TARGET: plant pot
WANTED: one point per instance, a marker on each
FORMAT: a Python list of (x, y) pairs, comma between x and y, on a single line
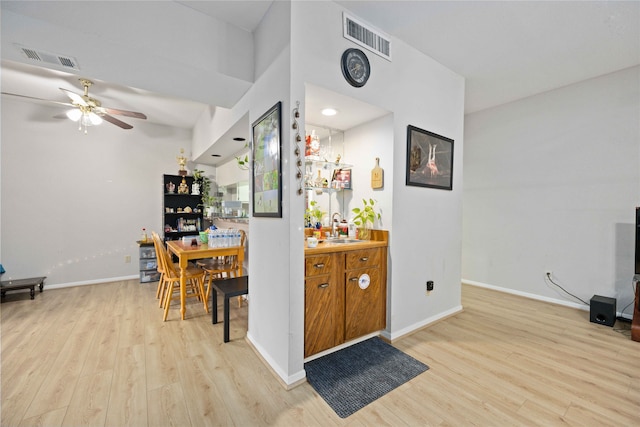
[(364, 233)]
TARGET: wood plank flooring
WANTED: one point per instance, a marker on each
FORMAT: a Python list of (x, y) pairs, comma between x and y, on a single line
[(100, 355)]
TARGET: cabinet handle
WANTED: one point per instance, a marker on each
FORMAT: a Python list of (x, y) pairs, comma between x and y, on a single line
[(353, 279), (364, 258), (324, 285), (319, 265)]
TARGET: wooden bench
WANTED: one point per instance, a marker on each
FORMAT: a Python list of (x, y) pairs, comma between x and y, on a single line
[(30, 283), (229, 288)]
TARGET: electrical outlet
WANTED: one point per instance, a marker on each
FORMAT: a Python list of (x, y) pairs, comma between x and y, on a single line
[(429, 285), (127, 259)]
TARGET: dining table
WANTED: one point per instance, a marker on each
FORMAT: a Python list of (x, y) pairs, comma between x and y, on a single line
[(195, 249)]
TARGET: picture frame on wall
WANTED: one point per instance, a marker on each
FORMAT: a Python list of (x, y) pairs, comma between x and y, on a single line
[(267, 164), (429, 159)]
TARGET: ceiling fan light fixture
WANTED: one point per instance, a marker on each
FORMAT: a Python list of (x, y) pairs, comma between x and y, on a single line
[(94, 119), (74, 114)]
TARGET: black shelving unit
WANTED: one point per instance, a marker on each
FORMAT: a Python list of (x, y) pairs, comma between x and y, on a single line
[(177, 222)]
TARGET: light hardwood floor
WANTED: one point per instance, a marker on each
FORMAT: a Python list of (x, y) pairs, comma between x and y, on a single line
[(101, 356)]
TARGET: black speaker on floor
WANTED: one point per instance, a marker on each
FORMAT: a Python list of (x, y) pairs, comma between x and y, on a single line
[(603, 310)]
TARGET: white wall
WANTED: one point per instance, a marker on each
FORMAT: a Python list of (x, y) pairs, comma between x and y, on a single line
[(271, 330), (551, 182), (363, 144), (424, 224), (73, 205), (229, 172)]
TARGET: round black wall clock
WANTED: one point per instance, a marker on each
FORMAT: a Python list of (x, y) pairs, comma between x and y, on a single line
[(355, 67)]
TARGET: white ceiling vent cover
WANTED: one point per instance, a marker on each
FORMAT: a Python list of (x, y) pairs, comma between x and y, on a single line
[(65, 61), (366, 36)]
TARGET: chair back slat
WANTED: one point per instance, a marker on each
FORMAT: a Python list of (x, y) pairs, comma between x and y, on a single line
[(159, 246)]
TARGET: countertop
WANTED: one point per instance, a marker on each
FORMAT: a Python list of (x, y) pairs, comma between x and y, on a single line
[(326, 246)]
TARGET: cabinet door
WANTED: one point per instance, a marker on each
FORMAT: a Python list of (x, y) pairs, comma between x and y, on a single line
[(365, 308), (323, 313)]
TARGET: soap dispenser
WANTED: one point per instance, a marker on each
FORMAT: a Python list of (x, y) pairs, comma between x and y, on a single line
[(352, 230)]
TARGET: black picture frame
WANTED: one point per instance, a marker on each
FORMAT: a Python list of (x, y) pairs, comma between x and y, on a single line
[(266, 169), (429, 159)]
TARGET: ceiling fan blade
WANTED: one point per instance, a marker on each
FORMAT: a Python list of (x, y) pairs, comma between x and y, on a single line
[(66, 104), (75, 98), (116, 122), (124, 113)]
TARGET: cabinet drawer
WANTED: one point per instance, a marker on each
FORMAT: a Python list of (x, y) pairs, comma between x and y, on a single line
[(149, 276), (318, 264), (363, 258), (149, 252), (148, 264)]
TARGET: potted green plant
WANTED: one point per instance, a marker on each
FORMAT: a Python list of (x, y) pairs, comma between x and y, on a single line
[(314, 214), (243, 162), (205, 188), (365, 217)]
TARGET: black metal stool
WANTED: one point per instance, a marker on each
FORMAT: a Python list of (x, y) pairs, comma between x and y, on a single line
[(229, 288)]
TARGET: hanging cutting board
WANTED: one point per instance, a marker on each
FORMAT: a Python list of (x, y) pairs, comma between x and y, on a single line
[(377, 175)]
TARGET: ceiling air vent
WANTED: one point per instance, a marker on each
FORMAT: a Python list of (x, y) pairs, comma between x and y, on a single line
[(50, 58), (366, 36)]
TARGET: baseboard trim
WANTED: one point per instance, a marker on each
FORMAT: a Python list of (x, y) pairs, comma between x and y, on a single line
[(287, 382), (393, 336), (536, 297), (85, 282), (526, 295)]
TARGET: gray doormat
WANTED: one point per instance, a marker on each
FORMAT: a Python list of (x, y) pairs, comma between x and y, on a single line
[(353, 377)]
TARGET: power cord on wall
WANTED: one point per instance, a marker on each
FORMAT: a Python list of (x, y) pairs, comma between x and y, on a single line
[(625, 323), (624, 331), (633, 288), (548, 277)]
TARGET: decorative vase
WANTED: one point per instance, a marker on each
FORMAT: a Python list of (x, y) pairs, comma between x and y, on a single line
[(364, 233)]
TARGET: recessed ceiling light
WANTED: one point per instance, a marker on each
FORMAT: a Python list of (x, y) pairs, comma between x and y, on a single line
[(216, 155), (237, 138), (329, 112)]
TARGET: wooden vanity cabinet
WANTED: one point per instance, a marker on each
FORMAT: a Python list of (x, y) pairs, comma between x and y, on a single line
[(324, 303), (337, 309)]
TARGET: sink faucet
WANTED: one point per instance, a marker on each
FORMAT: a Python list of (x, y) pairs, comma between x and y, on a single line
[(334, 224)]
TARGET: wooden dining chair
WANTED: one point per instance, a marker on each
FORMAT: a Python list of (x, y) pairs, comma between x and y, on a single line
[(159, 247), (162, 284), (171, 279), (221, 267)]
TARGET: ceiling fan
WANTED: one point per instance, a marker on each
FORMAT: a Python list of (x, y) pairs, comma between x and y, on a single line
[(88, 111)]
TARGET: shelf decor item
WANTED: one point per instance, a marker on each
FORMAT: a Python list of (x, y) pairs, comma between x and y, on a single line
[(267, 164), (429, 159), (182, 162), (342, 178)]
